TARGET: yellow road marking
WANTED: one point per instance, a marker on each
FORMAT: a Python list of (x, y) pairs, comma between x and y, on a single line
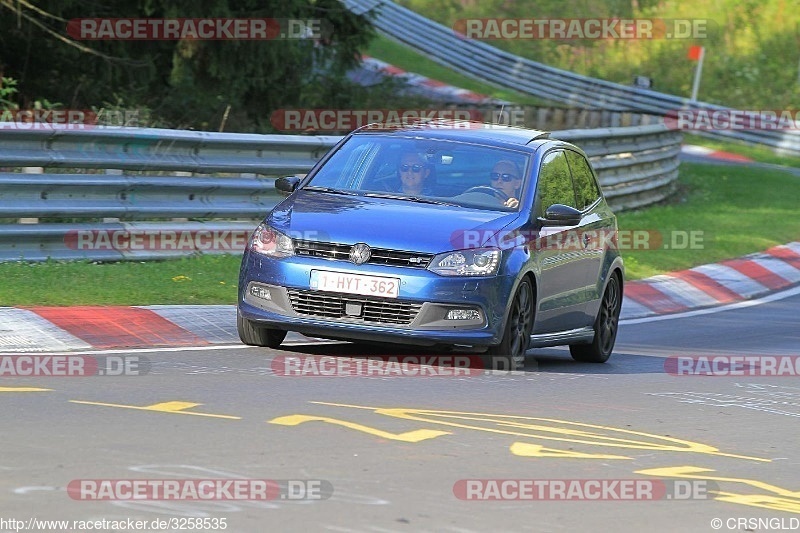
[(417, 435), (523, 449), (551, 429), (175, 407), (782, 500), (562, 430), (23, 389)]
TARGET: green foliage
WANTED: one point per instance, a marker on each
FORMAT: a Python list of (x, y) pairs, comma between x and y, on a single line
[(188, 83), (8, 88), (752, 46)]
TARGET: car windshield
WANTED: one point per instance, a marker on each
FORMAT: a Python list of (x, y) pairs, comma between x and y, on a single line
[(426, 170)]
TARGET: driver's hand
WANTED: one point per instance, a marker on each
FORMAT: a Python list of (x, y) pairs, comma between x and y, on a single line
[(511, 202)]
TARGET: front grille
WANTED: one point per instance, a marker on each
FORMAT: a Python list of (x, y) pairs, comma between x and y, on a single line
[(332, 305), (380, 256)]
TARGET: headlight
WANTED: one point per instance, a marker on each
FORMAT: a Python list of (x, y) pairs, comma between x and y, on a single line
[(268, 241), (477, 262)]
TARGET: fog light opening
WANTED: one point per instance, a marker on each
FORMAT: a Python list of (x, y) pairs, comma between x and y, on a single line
[(260, 292), (463, 314)]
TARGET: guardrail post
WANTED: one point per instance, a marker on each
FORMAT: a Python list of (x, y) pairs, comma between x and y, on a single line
[(188, 175), (31, 170), (112, 172)]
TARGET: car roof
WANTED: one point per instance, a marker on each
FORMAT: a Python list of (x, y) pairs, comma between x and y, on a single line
[(460, 130)]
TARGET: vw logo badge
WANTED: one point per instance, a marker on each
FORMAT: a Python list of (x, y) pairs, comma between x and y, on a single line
[(360, 253)]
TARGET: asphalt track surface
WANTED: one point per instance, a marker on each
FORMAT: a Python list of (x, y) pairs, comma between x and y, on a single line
[(394, 448)]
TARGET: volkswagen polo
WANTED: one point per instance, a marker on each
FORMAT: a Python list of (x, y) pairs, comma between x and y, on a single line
[(470, 235)]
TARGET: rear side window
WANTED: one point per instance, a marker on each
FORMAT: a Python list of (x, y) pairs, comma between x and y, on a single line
[(555, 183), (586, 190)]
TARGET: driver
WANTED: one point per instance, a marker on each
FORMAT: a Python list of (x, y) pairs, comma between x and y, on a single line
[(413, 172), (507, 178)]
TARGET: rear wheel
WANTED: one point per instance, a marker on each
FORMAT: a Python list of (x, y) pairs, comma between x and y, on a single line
[(510, 353), (252, 334), (605, 327)]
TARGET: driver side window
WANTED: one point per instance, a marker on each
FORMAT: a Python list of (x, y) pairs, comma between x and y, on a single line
[(555, 183)]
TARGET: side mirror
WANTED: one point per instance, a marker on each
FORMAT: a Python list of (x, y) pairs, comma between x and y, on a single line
[(287, 184), (561, 215)]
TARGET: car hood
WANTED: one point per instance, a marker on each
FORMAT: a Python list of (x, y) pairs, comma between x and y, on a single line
[(386, 223)]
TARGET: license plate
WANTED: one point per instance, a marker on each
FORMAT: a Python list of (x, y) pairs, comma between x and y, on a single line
[(323, 280)]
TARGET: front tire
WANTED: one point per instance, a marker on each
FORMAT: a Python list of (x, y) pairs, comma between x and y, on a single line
[(606, 326), (252, 334), (510, 353)]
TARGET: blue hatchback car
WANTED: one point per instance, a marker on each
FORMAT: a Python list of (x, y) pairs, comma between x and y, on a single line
[(467, 235)]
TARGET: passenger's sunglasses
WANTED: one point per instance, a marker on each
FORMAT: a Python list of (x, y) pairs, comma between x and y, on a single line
[(506, 177), (412, 168)]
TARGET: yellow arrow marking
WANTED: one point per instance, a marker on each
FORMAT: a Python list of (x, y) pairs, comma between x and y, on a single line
[(23, 389), (784, 499), (178, 408), (550, 429), (417, 435), (524, 449)]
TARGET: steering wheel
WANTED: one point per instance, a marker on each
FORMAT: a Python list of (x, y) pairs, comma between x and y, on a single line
[(485, 189)]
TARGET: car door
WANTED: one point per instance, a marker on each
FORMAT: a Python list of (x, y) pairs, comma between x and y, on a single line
[(559, 256), (596, 228)]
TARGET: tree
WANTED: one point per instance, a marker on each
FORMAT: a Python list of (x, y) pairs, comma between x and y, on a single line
[(186, 83)]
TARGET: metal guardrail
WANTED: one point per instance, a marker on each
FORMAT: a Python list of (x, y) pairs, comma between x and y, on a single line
[(636, 166), (95, 241), (492, 65), (160, 149), (133, 197)]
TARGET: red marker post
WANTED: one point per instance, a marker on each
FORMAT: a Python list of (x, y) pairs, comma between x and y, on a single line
[(696, 53)]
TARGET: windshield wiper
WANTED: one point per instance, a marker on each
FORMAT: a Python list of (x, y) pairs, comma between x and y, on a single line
[(331, 190), (409, 198)]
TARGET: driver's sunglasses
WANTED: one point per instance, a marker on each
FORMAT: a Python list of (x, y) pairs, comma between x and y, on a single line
[(412, 168), (506, 177)]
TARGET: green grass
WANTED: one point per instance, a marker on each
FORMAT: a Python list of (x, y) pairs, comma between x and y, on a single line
[(209, 279), (762, 154), (739, 210), (401, 56)]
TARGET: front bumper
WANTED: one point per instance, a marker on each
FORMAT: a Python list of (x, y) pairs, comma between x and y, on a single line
[(422, 304)]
